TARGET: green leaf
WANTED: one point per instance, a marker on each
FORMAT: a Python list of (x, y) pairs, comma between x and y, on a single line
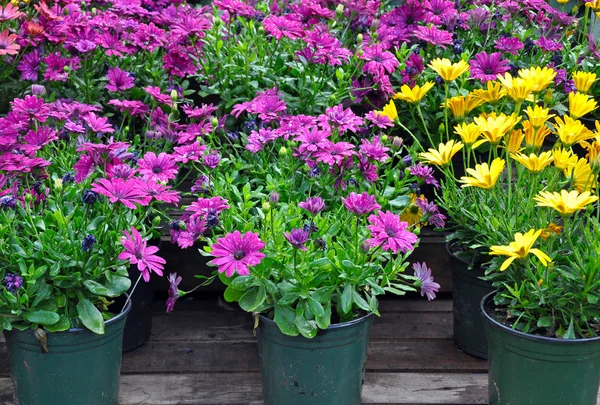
[(307, 328), (41, 317), (346, 299), (60, 326), (117, 285), (360, 301), (592, 299), (90, 316), (232, 295), (253, 298), (570, 333), (400, 202), (243, 282), (544, 322), (4, 324), (284, 318), (315, 307), (97, 288), (324, 320)]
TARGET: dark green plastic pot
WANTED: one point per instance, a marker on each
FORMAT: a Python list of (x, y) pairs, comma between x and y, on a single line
[(80, 368), (326, 370), (528, 369), (467, 291)]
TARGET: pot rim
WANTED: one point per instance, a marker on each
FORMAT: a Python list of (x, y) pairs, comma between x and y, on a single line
[(356, 321), (121, 315), (529, 336)]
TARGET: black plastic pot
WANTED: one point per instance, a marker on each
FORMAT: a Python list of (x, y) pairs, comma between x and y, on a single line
[(326, 370), (467, 292), (529, 369), (139, 321)]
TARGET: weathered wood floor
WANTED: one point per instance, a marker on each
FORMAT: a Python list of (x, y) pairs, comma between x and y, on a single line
[(203, 354)]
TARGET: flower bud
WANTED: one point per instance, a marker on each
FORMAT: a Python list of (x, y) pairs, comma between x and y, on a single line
[(359, 38), (174, 95), (384, 138), (397, 143), (214, 121), (407, 160), (365, 246), (274, 197), (442, 128), (283, 151), (548, 97), (156, 221), (58, 184), (417, 231), (38, 90), (339, 10), (217, 21), (266, 207)]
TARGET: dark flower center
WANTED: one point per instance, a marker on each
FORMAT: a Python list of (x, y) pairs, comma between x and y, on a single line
[(157, 170), (489, 71), (239, 254), (391, 233)]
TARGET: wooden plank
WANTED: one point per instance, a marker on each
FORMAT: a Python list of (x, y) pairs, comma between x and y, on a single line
[(245, 388), (237, 326), (401, 355)]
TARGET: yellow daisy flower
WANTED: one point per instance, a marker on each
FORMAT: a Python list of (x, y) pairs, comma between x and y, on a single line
[(565, 202), (534, 163), (443, 155), (461, 106), (594, 5), (563, 158), (493, 127), (412, 214), (514, 140), (571, 131), (540, 77), (469, 133), (580, 104), (484, 176), (538, 115), (516, 88), (593, 150), (389, 110), (583, 80), (520, 249), (414, 95), (447, 70), (492, 94), (534, 137), (581, 175)]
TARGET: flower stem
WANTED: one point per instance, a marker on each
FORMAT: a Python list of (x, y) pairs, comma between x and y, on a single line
[(131, 293)]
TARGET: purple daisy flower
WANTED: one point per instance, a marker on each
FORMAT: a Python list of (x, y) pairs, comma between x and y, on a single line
[(548, 45), (340, 118), (425, 282), (379, 120), (280, 27), (188, 153), (425, 173), (333, 153), (29, 66), (379, 61), (204, 207), (159, 192), (211, 160), (314, 205), (431, 213), (97, 124), (128, 192), (390, 233), (118, 80), (173, 291), (374, 150), (510, 45), (194, 229), (297, 238), (434, 36), (360, 204), (160, 168), (32, 107), (487, 67), (138, 253), (235, 253)]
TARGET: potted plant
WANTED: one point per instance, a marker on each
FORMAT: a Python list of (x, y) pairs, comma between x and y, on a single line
[(73, 220), (308, 224), (543, 322)]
